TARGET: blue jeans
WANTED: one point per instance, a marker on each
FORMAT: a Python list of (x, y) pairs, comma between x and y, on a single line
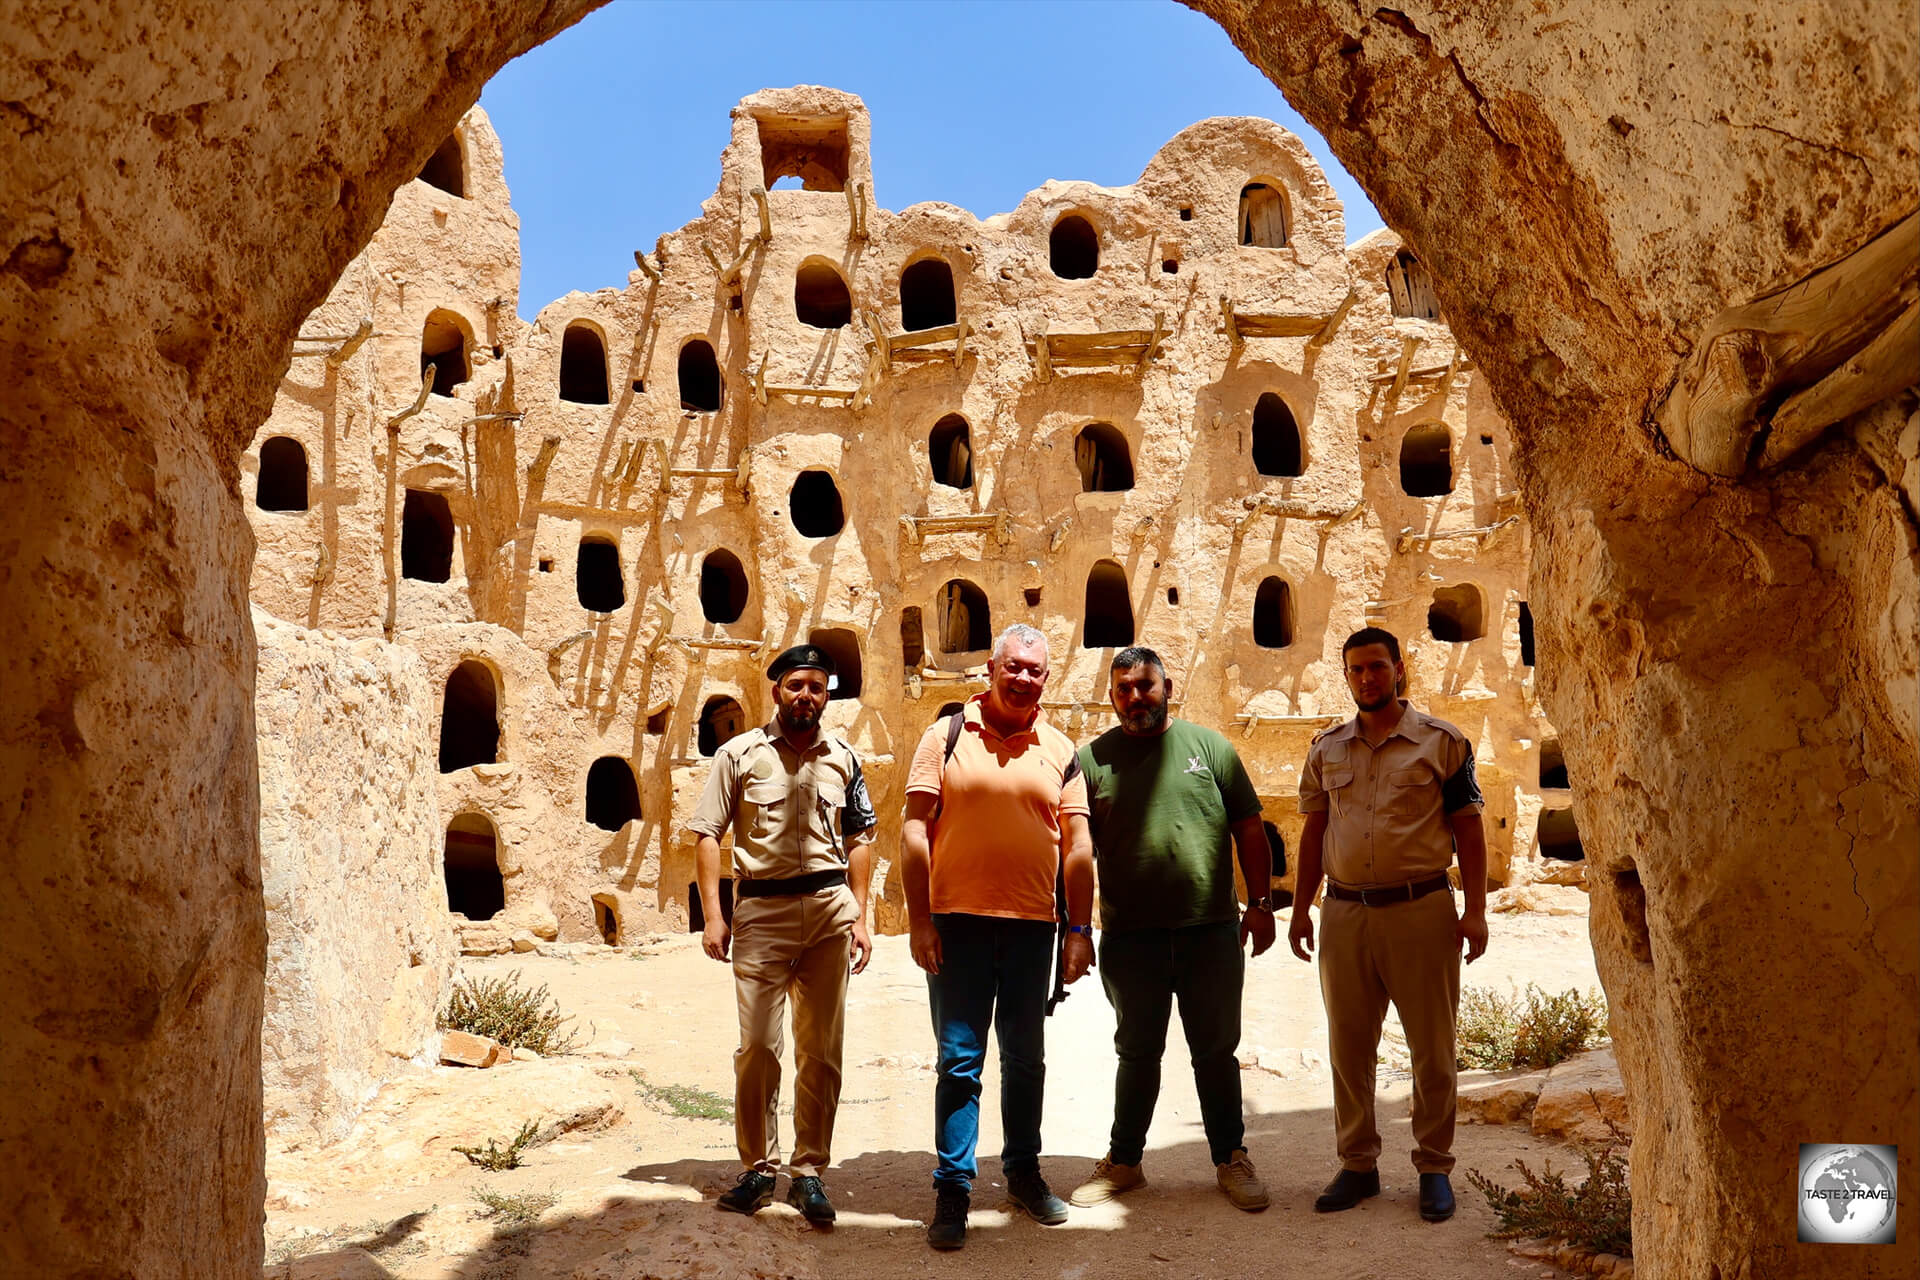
[(987, 961)]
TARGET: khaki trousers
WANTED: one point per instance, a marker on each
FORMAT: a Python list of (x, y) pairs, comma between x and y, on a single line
[(800, 946), (1408, 953)]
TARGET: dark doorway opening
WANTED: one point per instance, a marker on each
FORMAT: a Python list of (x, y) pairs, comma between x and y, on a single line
[(723, 586), (1273, 614), (965, 624), (443, 344), (606, 920), (426, 537), (950, 452), (283, 476), (844, 648), (1426, 461), (1456, 614), (1105, 462), (720, 719), (913, 638), (597, 577), (926, 295), (1276, 438), (1526, 635), (1109, 610), (820, 296), (613, 794), (1559, 837), (470, 718), (475, 888), (815, 505), (696, 910), (1553, 766), (1073, 249), (583, 365), (1263, 216), (699, 377), (446, 168)]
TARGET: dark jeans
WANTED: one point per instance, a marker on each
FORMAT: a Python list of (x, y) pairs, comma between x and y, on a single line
[(1143, 971), (987, 961)]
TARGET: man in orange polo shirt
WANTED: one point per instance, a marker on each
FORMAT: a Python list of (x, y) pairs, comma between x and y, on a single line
[(988, 826)]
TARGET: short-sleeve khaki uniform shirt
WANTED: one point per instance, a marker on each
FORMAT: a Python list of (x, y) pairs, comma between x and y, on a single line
[(792, 811), (1387, 806)]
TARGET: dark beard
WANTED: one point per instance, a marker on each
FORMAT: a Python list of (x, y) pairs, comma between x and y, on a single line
[(1381, 705), (1149, 721), (796, 721)]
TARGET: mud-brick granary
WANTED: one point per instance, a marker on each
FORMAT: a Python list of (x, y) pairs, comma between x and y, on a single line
[(1184, 413)]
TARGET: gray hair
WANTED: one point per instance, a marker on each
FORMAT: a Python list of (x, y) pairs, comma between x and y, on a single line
[(1018, 631)]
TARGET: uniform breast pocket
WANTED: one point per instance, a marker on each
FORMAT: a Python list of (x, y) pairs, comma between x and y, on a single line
[(1339, 785), (1410, 792), (766, 804)]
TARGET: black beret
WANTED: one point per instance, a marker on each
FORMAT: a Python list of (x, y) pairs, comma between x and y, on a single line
[(801, 655)]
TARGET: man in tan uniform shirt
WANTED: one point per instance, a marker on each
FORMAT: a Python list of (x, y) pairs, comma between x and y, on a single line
[(802, 852), (1390, 798)]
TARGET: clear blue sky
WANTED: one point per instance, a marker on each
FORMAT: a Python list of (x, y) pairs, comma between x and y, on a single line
[(613, 130)]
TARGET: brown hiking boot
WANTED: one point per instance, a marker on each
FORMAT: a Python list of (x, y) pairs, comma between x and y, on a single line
[(1241, 1183), (1108, 1180)]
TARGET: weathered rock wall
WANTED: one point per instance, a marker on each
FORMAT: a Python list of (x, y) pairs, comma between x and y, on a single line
[(179, 187), (1729, 651), (360, 949)]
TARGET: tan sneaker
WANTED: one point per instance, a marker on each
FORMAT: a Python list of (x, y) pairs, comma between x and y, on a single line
[(1109, 1180), (1241, 1183)]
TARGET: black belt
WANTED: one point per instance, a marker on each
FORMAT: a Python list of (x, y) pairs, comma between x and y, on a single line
[(1388, 896), (752, 888)]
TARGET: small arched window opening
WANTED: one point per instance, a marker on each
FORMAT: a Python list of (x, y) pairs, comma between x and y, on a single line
[(583, 365), (475, 888), (1560, 837), (699, 377), (926, 295), (283, 476), (1277, 846), (606, 918), (1526, 635), (426, 537), (723, 586), (1109, 609), (844, 648), (1073, 248), (1273, 614), (820, 296), (613, 794), (446, 168), (470, 718), (1410, 288), (950, 451), (965, 623), (1426, 461), (720, 719), (815, 505), (1553, 766), (597, 576), (1456, 614), (1276, 437), (1263, 216), (913, 638), (443, 344), (1105, 462)]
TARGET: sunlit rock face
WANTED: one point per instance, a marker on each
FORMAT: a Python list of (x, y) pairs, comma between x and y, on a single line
[(1722, 498)]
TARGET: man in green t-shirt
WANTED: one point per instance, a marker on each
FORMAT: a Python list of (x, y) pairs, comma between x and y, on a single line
[(1165, 797)]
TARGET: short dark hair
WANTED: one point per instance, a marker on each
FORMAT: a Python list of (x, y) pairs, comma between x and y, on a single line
[(1134, 655), (1372, 635)]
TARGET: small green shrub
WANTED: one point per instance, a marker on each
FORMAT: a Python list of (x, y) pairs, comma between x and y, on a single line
[(493, 1157), (1596, 1215), (684, 1099), (515, 1211), (502, 1009), (1532, 1029)]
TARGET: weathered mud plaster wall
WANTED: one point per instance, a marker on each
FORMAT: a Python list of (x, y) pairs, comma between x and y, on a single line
[(534, 471), (177, 191), (360, 950), (1727, 647)]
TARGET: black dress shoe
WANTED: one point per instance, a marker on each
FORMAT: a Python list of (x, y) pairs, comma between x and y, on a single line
[(1436, 1197), (751, 1194), (1348, 1188), (948, 1230), (809, 1196)]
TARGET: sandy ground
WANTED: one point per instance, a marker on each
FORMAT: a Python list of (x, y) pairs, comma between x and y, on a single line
[(635, 1184)]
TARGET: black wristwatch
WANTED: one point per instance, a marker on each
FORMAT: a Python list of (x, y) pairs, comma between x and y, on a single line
[(1262, 904)]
